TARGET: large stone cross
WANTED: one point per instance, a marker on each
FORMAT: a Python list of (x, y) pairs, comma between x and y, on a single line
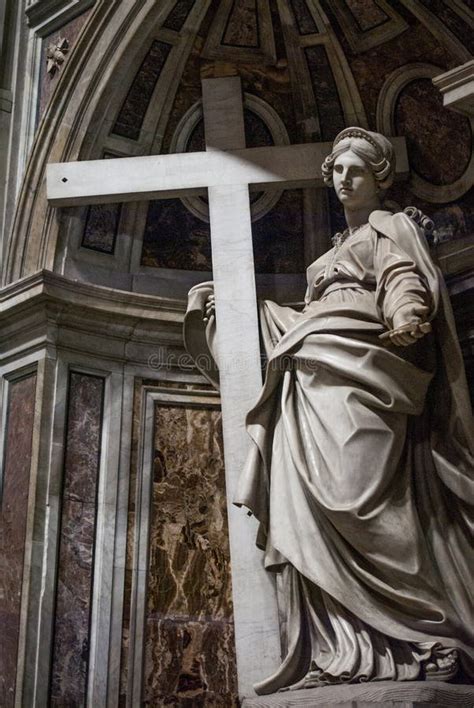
[(226, 172)]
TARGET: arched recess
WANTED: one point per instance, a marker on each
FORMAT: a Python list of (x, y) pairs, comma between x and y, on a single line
[(107, 51)]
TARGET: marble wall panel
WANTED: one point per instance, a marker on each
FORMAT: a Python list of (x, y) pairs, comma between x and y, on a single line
[(129, 558), (278, 241), (195, 665), (242, 28), (189, 655), (13, 518), (102, 223), (175, 238), (366, 13), (189, 650), (178, 15), (304, 19), (101, 227), (76, 547), (438, 139), (132, 114), (47, 82)]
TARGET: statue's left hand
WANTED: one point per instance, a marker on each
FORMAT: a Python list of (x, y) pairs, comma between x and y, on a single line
[(406, 334)]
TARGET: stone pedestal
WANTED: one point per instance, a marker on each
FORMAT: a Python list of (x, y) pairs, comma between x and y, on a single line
[(383, 694)]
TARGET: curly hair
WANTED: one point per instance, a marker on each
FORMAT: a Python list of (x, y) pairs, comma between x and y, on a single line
[(375, 149)]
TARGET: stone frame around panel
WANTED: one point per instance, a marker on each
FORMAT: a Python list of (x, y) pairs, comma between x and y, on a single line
[(361, 41), (265, 52), (150, 395), (392, 87)]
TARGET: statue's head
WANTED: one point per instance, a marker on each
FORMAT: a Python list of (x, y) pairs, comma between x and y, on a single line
[(373, 149)]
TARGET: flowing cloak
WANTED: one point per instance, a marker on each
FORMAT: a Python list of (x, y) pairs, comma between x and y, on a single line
[(361, 468)]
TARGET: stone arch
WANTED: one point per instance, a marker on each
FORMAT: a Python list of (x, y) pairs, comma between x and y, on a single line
[(113, 30)]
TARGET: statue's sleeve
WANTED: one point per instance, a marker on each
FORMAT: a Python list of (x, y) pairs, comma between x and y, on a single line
[(403, 294), (200, 336)]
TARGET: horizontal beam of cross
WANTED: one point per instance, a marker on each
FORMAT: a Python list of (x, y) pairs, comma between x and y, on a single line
[(183, 174)]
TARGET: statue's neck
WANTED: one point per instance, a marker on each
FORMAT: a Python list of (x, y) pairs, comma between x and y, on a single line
[(359, 217)]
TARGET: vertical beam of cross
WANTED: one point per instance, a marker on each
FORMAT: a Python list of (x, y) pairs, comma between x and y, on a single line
[(254, 596)]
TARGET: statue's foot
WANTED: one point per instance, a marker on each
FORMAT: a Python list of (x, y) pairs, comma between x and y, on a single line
[(442, 668), (311, 680)]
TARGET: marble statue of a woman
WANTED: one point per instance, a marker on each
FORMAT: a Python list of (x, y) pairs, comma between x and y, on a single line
[(361, 471)]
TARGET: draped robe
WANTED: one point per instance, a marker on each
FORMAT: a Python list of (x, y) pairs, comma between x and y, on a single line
[(361, 468)]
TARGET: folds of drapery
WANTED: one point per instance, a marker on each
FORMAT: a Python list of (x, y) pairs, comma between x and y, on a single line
[(361, 474)]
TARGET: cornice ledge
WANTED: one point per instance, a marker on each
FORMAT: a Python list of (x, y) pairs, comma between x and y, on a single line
[(455, 77), (48, 15), (46, 285), (457, 88)]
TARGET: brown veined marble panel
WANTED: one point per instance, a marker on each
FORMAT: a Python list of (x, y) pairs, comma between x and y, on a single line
[(366, 13), (178, 15), (102, 223), (132, 114), (175, 238), (13, 519), (303, 17), (278, 237), (76, 548), (47, 84), (195, 664), (129, 559), (242, 25), (438, 139), (189, 636)]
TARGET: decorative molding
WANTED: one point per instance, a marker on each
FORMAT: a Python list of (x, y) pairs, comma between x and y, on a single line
[(457, 88), (132, 113), (45, 285), (438, 29), (6, 100), (391, 89), (273, 122), (46, 16), (461, 9), (264, 49), (56, 55)]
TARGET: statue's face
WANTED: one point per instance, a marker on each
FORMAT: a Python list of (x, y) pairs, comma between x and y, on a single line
[(354, 181)]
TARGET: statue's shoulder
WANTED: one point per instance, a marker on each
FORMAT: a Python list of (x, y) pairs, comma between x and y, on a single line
[(410, 222)]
